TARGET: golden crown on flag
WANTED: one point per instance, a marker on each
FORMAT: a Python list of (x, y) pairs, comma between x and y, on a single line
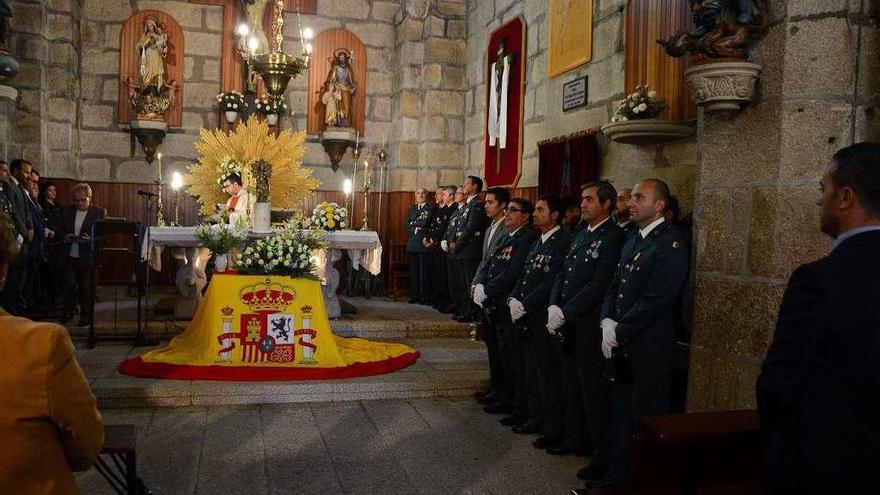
[(306, 310), (227, 311), (267, 296)]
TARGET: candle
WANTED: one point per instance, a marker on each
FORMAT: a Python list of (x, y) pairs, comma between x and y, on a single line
[(159, 161), (357, 138), (384, 139)]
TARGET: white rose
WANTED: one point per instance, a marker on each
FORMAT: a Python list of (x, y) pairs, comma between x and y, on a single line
[(235, 105), (652, 94), (636, 110), (623, 119), (643, 107)]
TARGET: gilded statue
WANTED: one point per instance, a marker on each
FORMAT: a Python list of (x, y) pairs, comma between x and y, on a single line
[(339, 88), (152, 93), (722, 29)]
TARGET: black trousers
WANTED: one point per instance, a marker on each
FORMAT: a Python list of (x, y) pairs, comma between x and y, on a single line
[(417, 274), (79, 282), (589, 391), (461, 274), (439, 285), (510, 347), (14, 296), (489, 334), (543, 376)]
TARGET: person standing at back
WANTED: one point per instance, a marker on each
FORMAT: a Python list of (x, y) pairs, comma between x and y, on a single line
[(819, 388), (465, 249), (416, 225)]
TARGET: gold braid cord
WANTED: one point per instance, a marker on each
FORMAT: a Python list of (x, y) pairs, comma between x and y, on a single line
[(250, 142)]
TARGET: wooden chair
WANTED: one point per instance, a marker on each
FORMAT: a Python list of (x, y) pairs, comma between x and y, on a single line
[(121, 470), (398, 269)]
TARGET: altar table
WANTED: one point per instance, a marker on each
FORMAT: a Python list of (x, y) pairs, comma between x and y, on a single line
[(362, 247), (259, 327)]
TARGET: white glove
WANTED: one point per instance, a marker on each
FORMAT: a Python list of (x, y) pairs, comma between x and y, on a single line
[(444, 245), (555, 319), (517, 310), (479, 295), (609, 336)]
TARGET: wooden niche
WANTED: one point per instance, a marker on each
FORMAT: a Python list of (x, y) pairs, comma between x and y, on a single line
[(129, 63), (323, 49), (648, 63)]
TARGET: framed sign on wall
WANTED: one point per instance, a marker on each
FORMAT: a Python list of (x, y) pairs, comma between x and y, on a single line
[(574, 94), (571, 35)]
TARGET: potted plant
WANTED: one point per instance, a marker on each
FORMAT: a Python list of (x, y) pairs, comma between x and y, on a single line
[(271, 108), (220, 239), (329, 216), (288, 251), (232, 104), (637, 120)]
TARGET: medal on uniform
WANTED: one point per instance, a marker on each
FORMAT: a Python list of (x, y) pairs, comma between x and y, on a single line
[(595, 254), (636, 258)]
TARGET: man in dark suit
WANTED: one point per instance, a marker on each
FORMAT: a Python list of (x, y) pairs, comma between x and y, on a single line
[(416, 223), (446, 242), (819, 389), (492, 286), (446, 206), (497, 199), (622, 213), (14, 293), (638, 320), (465, 249), (528, 310), (575, 307), (79, 271)]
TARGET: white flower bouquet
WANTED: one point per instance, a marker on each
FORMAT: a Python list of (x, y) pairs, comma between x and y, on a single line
[(231, 101), (288, 252), (329, 216), (268, 106), (642, 104), (220, 238)]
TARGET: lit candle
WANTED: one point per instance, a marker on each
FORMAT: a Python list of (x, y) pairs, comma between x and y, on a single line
[(159, 161), (357, 138)]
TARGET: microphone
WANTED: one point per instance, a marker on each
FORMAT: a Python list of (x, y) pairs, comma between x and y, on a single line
[(146, 193)]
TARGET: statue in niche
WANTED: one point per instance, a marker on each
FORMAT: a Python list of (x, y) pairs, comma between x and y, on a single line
[(152, 94), (254, 10), (339, 89), (722, 29)]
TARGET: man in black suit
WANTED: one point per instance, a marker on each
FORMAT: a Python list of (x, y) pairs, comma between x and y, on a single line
[(575, 307), (819, 389), (465, 249), (497, 199), (492, 286), (638, 320), (79, 271), (446, 206), (416, 224), (14, 293), (528, 310), (622, 214)]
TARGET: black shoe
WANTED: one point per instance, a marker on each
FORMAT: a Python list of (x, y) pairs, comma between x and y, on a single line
[(605, 481), (413, 300), (497, 408), (527, 428), (487, 397), (447, 310), (579, 491), (510, 420), (544, 442), (559, 450), (592, 472), (462, 318)]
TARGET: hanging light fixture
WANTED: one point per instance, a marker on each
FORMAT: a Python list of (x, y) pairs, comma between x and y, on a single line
[(275, 66)]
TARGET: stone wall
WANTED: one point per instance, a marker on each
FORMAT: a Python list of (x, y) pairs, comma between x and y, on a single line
[(429, 94), (756, 217), (622, 164)]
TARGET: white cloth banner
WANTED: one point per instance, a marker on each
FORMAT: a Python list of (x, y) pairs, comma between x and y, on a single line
[(498, 113)]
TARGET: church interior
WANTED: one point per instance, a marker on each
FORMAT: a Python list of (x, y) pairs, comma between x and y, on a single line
[(261, 168)]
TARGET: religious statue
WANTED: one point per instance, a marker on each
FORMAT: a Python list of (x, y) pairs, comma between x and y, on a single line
[(340, 80), (152, 93), (722, 29), (498, 90)]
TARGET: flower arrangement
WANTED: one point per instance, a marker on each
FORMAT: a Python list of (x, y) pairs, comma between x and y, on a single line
[(288, 251), (220, 238), (228, 166), (642, 104), (329, 216), (268, 106), (231, 101)]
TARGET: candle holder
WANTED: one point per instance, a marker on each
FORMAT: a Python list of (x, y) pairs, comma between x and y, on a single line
[(367, 184), (160, 219), (383, 157), (176, 184)]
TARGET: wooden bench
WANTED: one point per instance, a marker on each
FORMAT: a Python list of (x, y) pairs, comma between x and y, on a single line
[(707, 453), (117, 461)]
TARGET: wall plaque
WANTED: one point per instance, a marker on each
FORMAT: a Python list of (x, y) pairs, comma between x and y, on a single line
[(574, 94)]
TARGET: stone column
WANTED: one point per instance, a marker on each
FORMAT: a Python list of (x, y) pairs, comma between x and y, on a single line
[(759, 170)]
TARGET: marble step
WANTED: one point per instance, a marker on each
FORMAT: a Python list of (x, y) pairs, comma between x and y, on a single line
[(447, 368)]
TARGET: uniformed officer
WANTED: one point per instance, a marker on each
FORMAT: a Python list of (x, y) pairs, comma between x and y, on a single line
[(575, 307), (621, 212), (465, 249), (445, 198), (451, 263), (493, 285), (528, 308), (496, 201), (573, 221), (637, 320), (417, 220)]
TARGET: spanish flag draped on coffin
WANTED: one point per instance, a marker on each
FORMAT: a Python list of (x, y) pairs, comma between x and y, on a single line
[(258, 327)]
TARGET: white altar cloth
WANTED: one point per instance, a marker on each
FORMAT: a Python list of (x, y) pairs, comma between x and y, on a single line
[(363, 247)]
